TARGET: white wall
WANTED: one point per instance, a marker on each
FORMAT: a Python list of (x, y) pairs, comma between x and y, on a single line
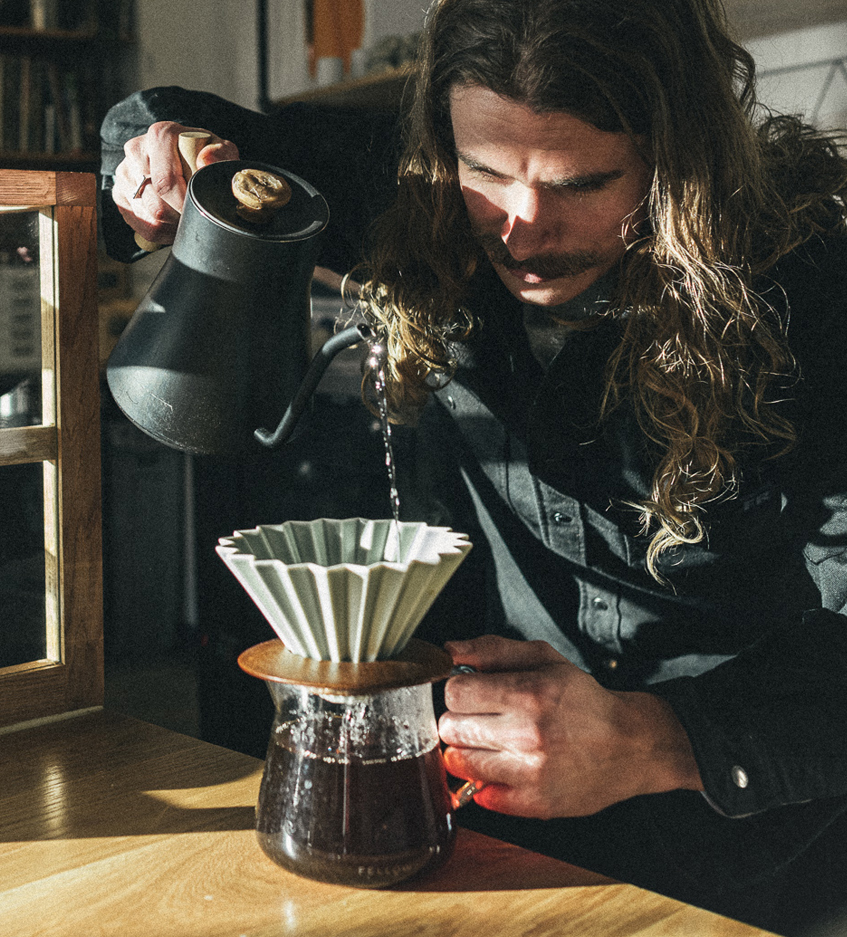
[(211, 44), (392, 18), (207, 45), (805, 72)]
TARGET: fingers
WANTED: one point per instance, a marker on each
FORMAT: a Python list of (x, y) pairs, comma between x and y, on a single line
[(531, 725), (492, 693), (552, 741), (530, 692), (515, 801), (167, 183), (481, 731), (494, 653), (154, 212), (511, 784), (504, 711), (522, 777), (493, 767)]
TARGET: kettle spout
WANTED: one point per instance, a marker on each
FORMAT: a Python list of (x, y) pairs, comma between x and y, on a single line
[(319, 364)]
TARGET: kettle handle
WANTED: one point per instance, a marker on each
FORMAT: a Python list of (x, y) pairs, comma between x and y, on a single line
[(189, 144), (330, 348)]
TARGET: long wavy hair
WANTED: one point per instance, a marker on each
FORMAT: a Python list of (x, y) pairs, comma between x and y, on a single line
[(701, 356)]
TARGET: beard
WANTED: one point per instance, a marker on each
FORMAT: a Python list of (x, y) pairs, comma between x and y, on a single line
[(546, 266)]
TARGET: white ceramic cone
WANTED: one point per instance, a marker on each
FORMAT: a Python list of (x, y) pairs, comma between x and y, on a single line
[(336, 589)]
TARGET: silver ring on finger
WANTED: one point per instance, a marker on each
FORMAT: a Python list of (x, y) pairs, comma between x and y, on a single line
[(141, 186)]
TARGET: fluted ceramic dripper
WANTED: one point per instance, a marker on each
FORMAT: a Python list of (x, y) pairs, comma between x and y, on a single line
[(344, 590)]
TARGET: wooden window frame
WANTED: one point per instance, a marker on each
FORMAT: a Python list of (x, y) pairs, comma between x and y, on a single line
[(71, 676)]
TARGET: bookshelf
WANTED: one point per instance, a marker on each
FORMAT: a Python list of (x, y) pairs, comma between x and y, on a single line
[(61, 67)]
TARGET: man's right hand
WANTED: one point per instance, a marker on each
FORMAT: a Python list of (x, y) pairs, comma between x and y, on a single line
[(154, 214)]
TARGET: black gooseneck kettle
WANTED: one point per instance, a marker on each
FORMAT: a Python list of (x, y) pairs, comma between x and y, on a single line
[(220, 344)]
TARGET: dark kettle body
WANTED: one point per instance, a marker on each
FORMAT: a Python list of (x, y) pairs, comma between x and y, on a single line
[(220, 344)]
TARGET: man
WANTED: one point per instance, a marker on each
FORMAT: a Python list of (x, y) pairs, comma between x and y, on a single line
[(616, 308)]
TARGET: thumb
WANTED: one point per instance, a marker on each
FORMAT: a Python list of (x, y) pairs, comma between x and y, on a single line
[(216, 152)]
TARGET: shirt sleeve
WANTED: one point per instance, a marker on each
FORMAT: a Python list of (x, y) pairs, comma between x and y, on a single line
[(767, 726), (349, 156)]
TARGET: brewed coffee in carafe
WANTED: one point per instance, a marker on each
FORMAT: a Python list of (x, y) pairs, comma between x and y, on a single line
[(354, 790)]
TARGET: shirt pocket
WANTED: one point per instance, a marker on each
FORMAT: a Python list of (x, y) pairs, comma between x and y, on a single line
[(738, 532)]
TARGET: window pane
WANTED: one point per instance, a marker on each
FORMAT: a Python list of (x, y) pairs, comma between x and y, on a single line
[(20, 319), (23, 632)]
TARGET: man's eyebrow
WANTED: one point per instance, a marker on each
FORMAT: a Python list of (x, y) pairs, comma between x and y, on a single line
[(588, 180)]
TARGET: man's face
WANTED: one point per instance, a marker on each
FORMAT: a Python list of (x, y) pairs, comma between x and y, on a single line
[(552, 199)]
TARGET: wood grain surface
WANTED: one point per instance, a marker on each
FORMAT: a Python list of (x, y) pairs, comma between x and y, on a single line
[(110, 826)]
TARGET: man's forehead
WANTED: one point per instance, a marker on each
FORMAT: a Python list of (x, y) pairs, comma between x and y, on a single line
[(490, 131)]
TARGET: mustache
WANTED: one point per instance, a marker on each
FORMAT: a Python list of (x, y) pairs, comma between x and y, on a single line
[(547, 266)]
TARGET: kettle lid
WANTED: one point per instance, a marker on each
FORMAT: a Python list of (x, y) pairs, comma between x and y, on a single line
[(210, 190)]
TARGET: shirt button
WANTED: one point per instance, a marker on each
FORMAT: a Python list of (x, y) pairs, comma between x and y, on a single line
[(599, 604), (611, 663), (560, 518), (739, 777)]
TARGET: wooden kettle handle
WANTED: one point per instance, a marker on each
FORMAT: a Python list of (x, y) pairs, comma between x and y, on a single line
[(189, 145)]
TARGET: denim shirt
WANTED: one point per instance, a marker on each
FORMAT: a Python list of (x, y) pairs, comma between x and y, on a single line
[(743, 640)]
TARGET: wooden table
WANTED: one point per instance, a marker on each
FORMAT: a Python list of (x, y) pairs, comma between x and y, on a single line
[(110, 826)]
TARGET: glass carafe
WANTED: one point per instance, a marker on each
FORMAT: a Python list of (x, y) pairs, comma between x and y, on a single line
[(354, 790)]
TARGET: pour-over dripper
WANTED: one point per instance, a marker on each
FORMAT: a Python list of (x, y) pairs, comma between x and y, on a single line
[(354, 789), (344, 590)]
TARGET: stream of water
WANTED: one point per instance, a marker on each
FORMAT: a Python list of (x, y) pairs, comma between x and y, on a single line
[(376, 362)]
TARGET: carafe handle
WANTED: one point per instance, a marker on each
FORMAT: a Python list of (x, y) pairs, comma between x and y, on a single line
[(465, 794)]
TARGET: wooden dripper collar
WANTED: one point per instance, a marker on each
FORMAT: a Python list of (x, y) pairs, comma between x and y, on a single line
[(418, 663)]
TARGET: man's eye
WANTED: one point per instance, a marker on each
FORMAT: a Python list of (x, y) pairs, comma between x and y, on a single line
[(590, 183), (483, 172), (584, 186)]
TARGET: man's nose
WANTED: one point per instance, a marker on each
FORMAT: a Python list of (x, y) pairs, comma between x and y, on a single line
[(527, 228)]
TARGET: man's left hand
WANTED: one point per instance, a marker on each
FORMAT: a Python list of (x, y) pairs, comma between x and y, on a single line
[(549, 740)]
